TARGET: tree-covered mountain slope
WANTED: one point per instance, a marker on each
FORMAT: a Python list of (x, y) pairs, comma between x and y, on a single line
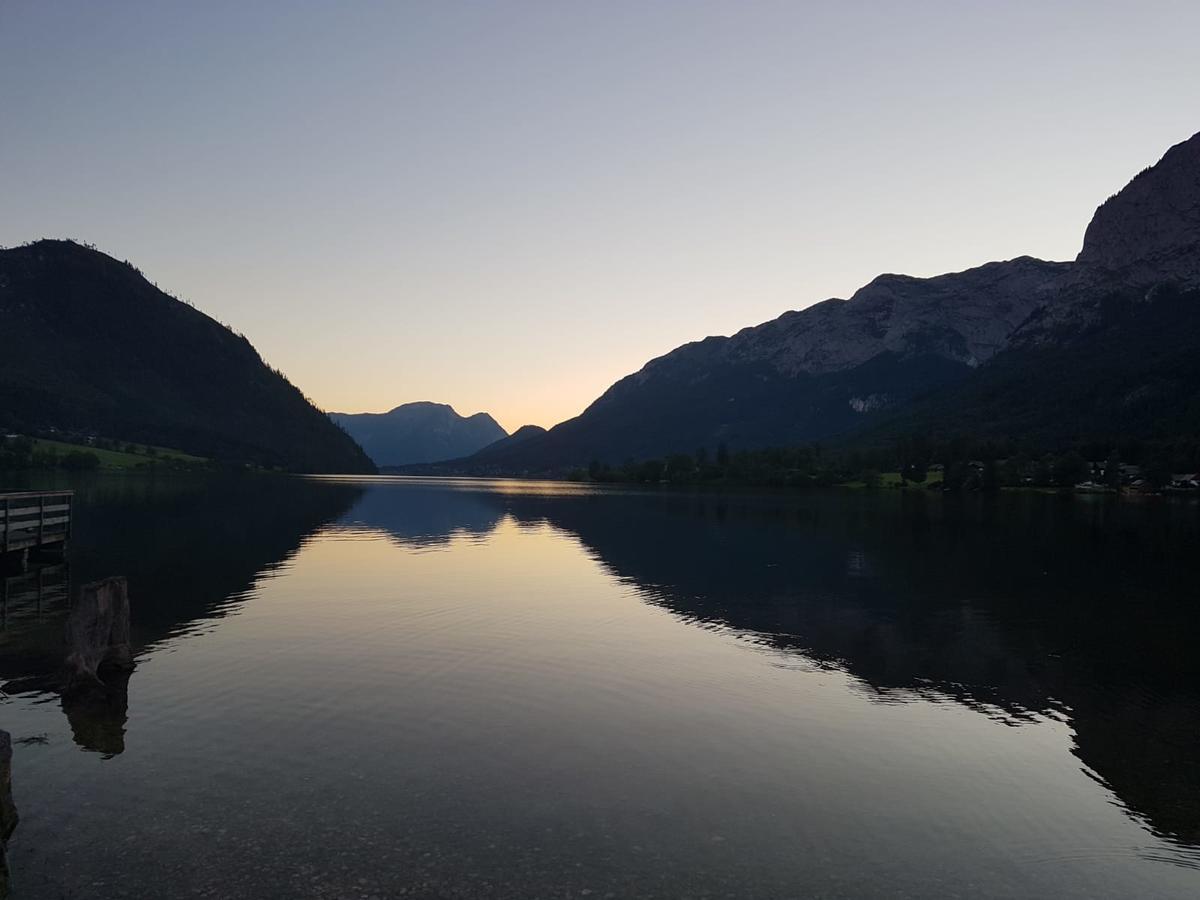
[(88, 345)]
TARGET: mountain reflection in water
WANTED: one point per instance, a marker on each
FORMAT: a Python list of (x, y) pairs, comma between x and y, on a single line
[(192, 548), (1019, 606), (459, 688)]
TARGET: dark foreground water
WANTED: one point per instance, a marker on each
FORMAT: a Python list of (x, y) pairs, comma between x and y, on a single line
[(397, 688)]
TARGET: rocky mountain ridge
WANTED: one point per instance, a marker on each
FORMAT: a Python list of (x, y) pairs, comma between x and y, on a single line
[(964, 316), (840, 366)]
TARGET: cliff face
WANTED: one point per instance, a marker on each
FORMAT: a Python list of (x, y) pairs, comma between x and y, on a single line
[(1149, 232), (1141, 242)]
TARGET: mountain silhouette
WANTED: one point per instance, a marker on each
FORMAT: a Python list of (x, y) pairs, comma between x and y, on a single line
[(88, 345), (419, 433), (1104, 347)]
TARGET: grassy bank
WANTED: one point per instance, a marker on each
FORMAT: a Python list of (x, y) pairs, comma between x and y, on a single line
[(43, 453)]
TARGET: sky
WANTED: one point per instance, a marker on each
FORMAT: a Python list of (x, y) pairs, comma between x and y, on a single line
[(507, 206)]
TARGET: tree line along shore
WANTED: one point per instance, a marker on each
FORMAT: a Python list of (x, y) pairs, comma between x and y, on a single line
[(915, 462)]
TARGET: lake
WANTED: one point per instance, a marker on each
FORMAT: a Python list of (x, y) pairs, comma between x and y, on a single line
[(392, 687)]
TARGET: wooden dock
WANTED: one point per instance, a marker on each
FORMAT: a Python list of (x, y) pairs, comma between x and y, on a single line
[(32, 520)]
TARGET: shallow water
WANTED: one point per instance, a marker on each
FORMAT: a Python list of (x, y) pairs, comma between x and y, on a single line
[(390, 687)]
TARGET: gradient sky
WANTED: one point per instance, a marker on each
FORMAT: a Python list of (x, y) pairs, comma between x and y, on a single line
[(508, 206)]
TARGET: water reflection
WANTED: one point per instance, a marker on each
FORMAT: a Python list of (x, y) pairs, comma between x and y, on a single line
[(97, 717), (428, 518), (191, 548), (1024, 608), (517, 689)]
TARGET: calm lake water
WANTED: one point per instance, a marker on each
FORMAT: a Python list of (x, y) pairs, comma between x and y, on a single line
[(409, 688)]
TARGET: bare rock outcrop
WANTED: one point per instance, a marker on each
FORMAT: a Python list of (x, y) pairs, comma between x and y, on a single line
[(963, 316), (1149, 231), (1140, 241), (1146, 234)]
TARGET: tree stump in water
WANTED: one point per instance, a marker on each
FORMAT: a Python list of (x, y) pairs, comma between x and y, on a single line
[(8, 810), (98, 633)]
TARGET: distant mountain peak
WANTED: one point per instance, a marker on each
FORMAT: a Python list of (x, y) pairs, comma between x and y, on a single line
[(419, 432), (415, 405)]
